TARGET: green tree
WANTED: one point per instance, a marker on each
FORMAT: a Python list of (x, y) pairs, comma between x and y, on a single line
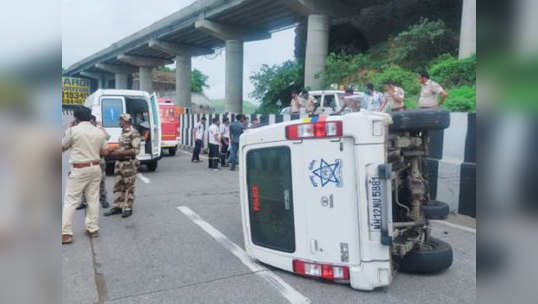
[(276, 82), (199, 81)]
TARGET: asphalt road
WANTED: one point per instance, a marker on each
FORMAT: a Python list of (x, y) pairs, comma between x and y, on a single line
[(159, 255)]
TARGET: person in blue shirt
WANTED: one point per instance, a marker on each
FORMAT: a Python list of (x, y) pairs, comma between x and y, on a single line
[(236, 129)]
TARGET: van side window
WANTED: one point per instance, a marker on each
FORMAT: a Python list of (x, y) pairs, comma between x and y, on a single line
[(111, 109), (330, 102)]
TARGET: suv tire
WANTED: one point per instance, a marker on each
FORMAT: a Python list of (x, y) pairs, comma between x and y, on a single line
[(435, 210), (423, 119), (435, 258)]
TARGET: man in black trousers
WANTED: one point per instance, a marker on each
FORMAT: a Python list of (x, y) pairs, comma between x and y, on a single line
[(199, 130)]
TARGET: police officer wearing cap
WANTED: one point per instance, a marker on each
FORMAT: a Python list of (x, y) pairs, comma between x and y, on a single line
[(125, 168)]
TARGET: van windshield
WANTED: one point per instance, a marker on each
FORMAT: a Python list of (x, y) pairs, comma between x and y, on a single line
[(270, 198), (111, 109)]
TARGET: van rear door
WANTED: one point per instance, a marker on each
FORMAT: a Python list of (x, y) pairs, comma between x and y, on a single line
[(270, 197), (327, 184), (111, 109), (155, 127)]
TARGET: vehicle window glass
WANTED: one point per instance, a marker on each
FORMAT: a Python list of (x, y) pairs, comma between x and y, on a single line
[(111, 109), (330, 102), (270, 198)]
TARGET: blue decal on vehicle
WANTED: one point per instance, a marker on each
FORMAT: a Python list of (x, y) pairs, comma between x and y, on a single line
[(326, 173)]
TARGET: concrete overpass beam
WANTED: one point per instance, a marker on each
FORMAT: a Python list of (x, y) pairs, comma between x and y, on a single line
[(140, 61), (178, 49), (234, 59), (468, 29), (183, 58), (310, 7), (226, 32), (146, 79), (145, 68), (121, 73), (183, 80), (100, 77), (234, 76), (317, 49), (121, 81)]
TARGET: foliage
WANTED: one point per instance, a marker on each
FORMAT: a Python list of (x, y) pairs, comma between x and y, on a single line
[(461, 99), (401, 77), (199, 81), (421, 43), (219, 104), (343, 69), (452, 72), (276, 82)]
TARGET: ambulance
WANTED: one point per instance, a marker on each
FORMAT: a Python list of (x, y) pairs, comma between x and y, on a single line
[(342, 198), (107, 105)]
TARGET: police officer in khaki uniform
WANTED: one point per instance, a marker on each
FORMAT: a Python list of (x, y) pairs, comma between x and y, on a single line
[(87, 144), (102, 186), (125, 168)]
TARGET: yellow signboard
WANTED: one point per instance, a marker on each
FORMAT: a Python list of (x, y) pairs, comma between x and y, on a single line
[(75, 90)]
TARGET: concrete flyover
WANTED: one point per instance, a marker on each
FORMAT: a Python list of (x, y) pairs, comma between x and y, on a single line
[(205, 25)]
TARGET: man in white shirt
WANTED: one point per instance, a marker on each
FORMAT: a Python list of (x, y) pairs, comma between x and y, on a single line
[(213, 133), (199, 129), (372, 99), (224, 141), (429, 92)]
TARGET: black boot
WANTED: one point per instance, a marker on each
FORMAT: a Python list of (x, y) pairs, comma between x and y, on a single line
[(81, 206), (105, 204), (126, 213), (113, 211)]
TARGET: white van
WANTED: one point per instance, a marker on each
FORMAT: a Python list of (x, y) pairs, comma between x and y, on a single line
[(317, 197), (107, 106)]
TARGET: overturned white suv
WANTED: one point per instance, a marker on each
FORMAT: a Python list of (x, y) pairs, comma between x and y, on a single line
[(343, 198)]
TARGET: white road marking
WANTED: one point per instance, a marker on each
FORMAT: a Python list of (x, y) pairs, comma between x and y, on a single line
[(454, 226), (144, 179), (288, 292)]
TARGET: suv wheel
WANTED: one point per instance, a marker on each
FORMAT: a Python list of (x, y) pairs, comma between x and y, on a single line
[(435, 210), (414, 120), (435, 256)]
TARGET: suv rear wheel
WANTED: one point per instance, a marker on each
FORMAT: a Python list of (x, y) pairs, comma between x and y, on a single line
[(432, 257), (422, 119)]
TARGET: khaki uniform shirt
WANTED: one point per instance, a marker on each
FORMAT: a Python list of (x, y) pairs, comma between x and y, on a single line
[(428, 94), (85, 142), (393, 104), (295, 105)]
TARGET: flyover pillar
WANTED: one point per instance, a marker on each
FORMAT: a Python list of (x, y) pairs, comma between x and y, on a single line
[(120, 81), (468, 29), (145, 78), (317, 49), (183, 80), (234, 76)]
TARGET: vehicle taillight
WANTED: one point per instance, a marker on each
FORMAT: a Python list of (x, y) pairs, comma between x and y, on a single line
[(323, 271), (320, 129)]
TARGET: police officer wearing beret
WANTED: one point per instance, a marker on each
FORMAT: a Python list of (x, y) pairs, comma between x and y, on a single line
[(125, 168)]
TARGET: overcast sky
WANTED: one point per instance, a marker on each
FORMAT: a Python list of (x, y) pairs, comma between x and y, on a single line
[(90, 26)]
